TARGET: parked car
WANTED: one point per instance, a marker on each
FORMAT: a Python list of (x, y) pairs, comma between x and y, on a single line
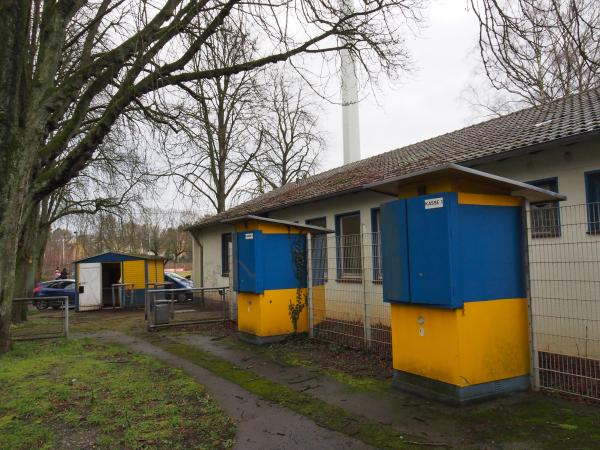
[(55, 288), (179, 282)]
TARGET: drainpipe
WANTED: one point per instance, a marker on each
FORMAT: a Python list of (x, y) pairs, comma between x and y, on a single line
[(201, 251)]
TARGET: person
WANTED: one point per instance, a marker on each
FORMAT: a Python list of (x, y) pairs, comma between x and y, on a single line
[(57, 273), (64, 274)]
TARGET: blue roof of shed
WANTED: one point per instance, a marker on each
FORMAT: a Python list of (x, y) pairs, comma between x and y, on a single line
[(108, 257)]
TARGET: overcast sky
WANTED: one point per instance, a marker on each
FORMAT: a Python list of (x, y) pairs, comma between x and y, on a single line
[(428, 102)]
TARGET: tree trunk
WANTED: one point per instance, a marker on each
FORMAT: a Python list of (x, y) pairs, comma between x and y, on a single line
[(14, 18), (30, 253)]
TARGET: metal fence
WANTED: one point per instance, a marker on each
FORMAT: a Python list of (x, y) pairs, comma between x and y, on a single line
[(190, 306), (40, 318), (564, 289), (563, 265), (346, 306)]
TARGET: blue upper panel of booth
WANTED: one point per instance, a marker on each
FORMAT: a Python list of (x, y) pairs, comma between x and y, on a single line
[(440, 253), (268, 261)]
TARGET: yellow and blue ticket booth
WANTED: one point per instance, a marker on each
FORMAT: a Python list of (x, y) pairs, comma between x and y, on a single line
[(96, 275), (454, 275), (270, 277)]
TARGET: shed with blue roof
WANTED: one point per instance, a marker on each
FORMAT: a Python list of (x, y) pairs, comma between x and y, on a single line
[(96, 275)]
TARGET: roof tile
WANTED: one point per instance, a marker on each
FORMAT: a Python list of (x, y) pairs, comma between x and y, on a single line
[(572, 115)]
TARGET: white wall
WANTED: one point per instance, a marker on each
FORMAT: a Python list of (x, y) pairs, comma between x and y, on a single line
[(206, 247), (566, 163), (564, 271)]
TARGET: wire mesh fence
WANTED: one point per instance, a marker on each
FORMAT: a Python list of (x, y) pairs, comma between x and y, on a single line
[(346, 293), (40, 318), (189, 306), (564, 284)]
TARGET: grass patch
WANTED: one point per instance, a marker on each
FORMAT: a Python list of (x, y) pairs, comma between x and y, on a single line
[(80, 393), (548, 422)]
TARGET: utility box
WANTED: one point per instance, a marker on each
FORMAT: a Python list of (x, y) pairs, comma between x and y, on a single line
[(270, 277), (453, 272), (452, 252)]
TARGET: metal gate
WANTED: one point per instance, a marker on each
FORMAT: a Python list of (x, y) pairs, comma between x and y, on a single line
[(189, 306), (42, 318)]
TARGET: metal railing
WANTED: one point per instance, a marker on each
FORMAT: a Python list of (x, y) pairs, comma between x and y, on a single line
[(564, 289), (187, 306), (123, 295), (42, 318)]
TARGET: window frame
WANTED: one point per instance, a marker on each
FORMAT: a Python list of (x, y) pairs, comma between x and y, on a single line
[(225, 254), (593, 227), (325, 268), (376, 246), (341, 276), (554, 229)]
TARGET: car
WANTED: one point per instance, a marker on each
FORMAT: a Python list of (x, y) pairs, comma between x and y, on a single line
[(55, 288), (178, 282)]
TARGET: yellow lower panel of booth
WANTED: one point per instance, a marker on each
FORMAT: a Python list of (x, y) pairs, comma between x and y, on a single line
[(268, 314), (318, 301), (485, 341)]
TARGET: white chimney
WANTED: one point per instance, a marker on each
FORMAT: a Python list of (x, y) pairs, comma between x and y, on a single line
[(350, 127)]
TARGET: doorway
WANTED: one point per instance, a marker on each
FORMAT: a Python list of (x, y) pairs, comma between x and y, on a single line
[(111, 274)]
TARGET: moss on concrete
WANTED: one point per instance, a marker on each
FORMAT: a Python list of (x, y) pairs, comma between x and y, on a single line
[(322, 413)]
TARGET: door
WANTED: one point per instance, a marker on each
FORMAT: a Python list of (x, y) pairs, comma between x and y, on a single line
[(248, 261), (90, 286), (429, 246)]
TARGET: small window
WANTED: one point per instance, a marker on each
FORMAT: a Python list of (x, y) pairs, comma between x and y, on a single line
[(592, 193), (318, 249), (348, 246), (225, 241), (545, 217), (376, 243)]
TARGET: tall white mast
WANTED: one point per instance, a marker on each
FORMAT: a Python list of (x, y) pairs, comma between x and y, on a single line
[(350, 126)]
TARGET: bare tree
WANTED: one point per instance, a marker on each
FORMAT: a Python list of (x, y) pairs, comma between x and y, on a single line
[(115, 179), (217, 118), (70, 69), (292, 141), (535, 51)]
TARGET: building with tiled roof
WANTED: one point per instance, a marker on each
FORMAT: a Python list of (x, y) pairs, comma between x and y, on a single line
[(556, 145), (564, 121)]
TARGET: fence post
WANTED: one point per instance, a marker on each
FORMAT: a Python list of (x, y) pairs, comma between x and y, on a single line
[(534, 375), (66, 303), (309, 282), (367, 328)]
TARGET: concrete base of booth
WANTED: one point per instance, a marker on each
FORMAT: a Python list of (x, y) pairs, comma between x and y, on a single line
[(457, 395), (261, 340)]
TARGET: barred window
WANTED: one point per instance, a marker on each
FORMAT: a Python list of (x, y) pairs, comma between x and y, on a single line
[(592, 193), (318, 251), (348, 248), (545, 217), (376, 243), (225, 242)]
